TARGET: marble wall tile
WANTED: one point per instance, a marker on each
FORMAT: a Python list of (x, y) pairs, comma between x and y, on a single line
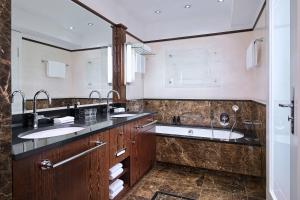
[(135, 105), (197, 112), (234, 158), (60, 102), (5, 107)]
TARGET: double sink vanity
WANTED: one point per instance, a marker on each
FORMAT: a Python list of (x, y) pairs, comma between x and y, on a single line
[(72, 161)]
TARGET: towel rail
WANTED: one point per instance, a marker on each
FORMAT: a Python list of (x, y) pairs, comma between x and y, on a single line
[(47, 164), (45, 61), (258, 40)]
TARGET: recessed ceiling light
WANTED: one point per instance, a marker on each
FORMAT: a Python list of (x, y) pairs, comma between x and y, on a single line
[(90, 24), (158, 11), (187, 6), (220, 0), (71, 27)]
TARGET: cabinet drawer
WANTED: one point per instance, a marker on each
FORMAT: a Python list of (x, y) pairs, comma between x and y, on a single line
[(119, 144)]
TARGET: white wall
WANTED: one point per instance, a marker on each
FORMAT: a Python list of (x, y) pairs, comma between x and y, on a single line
[(33, 77), (78, 76), (94, 78), (261, 73), (235, 81), (135, 90)]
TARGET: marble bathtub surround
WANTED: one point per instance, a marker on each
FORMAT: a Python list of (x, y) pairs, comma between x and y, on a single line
[(5, 110), (199, 113), (234, 158), (197, 184)]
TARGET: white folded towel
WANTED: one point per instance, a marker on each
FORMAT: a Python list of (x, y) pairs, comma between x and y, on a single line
[(115, 168), (115, 186), (251, 56), (63, 120), (56, 69), (113, 195), (115, 174)]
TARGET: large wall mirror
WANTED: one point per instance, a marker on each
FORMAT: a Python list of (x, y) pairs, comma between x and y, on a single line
[(66, 52)]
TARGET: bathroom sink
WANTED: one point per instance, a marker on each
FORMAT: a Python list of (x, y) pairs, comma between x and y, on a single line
[(123, 115), (50, 132)]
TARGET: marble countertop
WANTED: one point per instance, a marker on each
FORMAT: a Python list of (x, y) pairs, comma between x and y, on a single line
[(22, 148)]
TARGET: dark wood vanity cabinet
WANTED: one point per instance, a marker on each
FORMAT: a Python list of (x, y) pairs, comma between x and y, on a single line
[(84, 177), (79, 169), (143, 147), (119, 145)]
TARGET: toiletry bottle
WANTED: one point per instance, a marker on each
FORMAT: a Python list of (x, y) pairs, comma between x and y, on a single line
[(76, 111), (178, 120), (174, 121)]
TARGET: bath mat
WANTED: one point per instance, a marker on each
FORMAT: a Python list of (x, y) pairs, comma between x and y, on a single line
[(167, 196)]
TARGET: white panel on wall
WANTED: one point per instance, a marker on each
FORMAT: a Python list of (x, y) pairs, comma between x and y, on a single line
[(191, 68)]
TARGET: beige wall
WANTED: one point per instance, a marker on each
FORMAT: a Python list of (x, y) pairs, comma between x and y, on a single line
[(235, 81), (32, 72)]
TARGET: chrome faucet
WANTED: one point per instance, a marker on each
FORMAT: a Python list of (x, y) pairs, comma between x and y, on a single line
[(111, 91), (212, 118), (235, 108), (35, 114), (23, 98), (97, 92)]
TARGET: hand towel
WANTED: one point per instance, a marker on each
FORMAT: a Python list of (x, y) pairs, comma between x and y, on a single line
[(63, 120), (115, 186), (56, 69), (117, 173), (113, 195), (251, 57), (115, 168)]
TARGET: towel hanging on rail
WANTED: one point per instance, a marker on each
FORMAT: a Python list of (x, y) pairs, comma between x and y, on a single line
[(56, 69), (251, 57)]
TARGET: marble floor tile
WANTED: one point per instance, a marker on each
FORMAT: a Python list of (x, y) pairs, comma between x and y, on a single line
[(197, 184)]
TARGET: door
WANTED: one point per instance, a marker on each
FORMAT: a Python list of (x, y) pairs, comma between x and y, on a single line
[(280, 101)]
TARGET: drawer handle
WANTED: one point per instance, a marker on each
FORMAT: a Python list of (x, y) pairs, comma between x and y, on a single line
[(146, 125), (120, 152), (47, 164)]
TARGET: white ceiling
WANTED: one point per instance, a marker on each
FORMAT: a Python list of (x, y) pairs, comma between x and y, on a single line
[(205, 16), (50, 21)]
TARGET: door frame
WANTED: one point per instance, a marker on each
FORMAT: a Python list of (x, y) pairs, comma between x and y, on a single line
[(295, 62), (295, 69)]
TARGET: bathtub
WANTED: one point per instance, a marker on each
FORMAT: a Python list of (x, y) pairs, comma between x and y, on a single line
[(197, 132), (220, 150)]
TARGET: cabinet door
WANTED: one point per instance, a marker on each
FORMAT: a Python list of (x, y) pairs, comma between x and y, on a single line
[(99, 165), (70, 180), (119, 145), (134, 159), (146, 147)]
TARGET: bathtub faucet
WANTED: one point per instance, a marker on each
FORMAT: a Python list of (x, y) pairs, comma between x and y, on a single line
[(212, 118), (235, 108)]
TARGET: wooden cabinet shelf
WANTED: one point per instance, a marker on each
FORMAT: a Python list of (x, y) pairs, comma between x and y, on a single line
[(122, 174)]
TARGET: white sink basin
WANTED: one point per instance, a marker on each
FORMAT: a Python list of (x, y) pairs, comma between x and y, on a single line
[(122, 115), (51, 133)]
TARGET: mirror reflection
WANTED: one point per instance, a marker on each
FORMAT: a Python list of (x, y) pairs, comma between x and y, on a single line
[(70, 50)]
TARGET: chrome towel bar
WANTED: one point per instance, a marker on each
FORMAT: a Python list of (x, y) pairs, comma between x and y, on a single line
[(146, 125), (47, 164)]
